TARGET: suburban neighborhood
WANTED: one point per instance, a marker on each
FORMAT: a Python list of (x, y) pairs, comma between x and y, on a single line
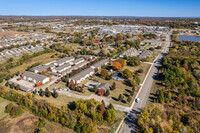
[(99, 73)]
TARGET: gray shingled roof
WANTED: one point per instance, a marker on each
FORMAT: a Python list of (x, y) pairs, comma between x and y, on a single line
[(62, 67), (100, 63), (41, 68), (104, 86), (77, 60), (34, 76), (64, 60), (144, 54), (130, 52), (78, 76)]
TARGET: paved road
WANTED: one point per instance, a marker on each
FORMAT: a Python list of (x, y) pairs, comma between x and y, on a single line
[(130, 121)]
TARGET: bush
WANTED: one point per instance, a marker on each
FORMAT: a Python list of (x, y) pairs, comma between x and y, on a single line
[(140, 71)]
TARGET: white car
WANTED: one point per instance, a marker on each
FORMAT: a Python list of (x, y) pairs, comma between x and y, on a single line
[(137, 100)]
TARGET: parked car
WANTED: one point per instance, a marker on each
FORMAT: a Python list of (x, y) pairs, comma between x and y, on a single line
[(19, 79), (137, 100)]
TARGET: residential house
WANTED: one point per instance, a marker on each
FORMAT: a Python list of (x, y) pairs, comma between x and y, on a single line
[(63, 61), (77, 61), (61, 68), (130, 52), (42, 68), (144, 54), (104, 86), (79, 77), (100, 63)]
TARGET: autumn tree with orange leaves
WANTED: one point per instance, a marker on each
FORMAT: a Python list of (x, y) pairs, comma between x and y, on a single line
[(117, 66)]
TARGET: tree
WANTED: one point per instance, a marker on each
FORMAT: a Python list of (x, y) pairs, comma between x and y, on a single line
[(7, 84), (133, 83), (127, 73), (104, 73), (140, 70), (12, 85), (55, 94), (41, 92), (17, 87), (120, 98), (137, 80), (109, 115), (107, 92), (132, 93), (148, 58), (95, 89), (133, 61), (101, 92), (117, 43), (129, 99), (114, 86), (43, 130), (162, 97), (48, 94), (122, 62), (117, 66)]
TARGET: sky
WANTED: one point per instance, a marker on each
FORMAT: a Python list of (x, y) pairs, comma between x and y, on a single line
[(145, 8)]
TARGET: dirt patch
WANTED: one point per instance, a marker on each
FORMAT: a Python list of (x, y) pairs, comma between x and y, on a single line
[(10, 33)]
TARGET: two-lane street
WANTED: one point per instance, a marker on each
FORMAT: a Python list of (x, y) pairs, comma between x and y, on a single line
[(130, 121)]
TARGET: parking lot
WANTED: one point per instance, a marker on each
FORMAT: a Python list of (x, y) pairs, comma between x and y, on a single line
[(24, 85)]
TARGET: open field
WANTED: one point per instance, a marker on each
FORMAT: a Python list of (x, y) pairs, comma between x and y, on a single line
[(59, 101), (10, 33), (42, 59)]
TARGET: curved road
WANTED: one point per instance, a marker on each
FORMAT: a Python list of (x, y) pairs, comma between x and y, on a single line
[(130, 121)]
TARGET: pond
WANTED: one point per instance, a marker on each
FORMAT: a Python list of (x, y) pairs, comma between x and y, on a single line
[(189, 38)]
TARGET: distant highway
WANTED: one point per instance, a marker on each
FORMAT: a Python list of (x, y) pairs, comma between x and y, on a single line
[(130, 121)]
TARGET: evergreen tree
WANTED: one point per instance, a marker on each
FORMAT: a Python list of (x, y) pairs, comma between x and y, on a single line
[(132, 93), (41, 92), (17, 87), (12, 85), (107, 92), (114, 86), (7, 84), (55, 94), (95, 89), (129, 99), (120, 98)]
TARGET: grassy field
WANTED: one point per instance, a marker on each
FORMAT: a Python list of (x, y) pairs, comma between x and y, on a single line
[(3, 103), (143, 66), (61, 84), (42, 59)]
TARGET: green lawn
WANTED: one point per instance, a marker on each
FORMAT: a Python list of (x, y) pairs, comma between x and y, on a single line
[(59, 101), (144, 66), (61, 84), (3, 103)]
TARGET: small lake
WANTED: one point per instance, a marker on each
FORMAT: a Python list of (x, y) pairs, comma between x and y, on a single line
[(189, 38)]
